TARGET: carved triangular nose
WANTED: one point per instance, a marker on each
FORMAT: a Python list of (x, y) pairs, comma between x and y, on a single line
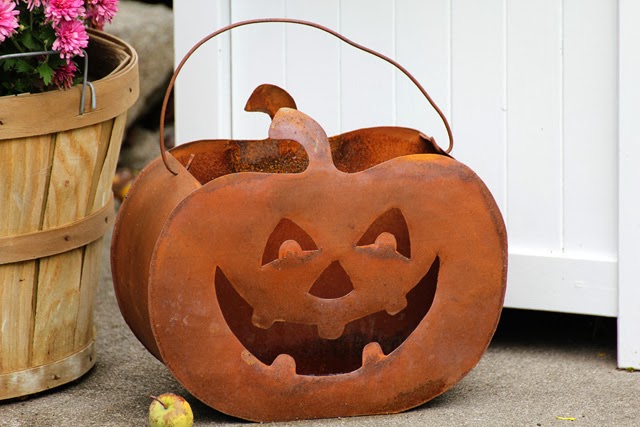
[(333, 283)]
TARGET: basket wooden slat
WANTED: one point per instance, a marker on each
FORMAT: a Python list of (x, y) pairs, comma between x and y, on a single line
[(93, 251), (59, 288), (24, 179)]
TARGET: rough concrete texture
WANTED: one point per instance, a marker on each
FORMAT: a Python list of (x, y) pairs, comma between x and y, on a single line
[(538, 367), (154, 44)]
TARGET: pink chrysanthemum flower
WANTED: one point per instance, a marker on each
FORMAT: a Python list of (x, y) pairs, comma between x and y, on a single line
[(58, 11), (33, 3), (71, 38), (101, 12), (63, 76), (8, 19)]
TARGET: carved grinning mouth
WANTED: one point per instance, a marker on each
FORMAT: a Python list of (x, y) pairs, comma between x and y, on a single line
[(317, 356)]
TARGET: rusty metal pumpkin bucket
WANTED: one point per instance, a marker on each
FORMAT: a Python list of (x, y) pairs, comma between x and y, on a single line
[(303, 276)]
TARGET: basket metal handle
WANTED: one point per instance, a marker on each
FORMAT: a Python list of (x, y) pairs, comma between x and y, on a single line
[(298, 22), (85, 74)]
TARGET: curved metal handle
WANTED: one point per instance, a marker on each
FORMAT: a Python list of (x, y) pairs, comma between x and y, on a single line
[(299, 22), (85, 74)]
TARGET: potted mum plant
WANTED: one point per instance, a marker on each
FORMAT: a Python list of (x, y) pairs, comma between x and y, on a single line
[(59, 155), (47, 25)]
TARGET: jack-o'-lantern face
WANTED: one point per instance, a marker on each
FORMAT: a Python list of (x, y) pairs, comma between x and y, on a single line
[(329, 303), (326, 293)]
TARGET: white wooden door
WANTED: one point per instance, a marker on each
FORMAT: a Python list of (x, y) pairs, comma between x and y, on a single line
[(532, 92)]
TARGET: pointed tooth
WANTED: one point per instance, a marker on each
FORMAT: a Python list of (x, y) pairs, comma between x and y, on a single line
[(284, 365), (396, 306), (331, 330), (372, 353), (261, 320)]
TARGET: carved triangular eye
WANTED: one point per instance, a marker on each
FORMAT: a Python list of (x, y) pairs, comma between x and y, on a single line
[(286, 232), (391, 222)]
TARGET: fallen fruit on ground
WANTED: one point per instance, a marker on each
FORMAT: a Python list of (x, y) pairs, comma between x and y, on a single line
[(170, 410)]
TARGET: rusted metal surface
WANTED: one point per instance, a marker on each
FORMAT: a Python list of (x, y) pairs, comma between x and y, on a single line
[(304, 276), (140, 219), (269, 99)]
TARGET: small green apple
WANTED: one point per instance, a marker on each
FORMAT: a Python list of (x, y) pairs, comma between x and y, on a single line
[(170, 410)]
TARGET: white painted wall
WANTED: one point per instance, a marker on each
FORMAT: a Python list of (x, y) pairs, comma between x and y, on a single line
[(629, 180), (542, 99)]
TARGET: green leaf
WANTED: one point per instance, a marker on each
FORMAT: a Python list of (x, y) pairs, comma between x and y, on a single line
[(23, 66), (8, 64), (46, 35), (45, 72), (29, 42), (19, 87)]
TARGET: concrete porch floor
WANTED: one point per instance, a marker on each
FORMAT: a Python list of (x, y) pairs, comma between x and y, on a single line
[(540, 366)]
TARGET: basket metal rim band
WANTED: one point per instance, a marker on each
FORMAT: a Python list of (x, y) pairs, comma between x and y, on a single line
[(44, 377), (43, 243)]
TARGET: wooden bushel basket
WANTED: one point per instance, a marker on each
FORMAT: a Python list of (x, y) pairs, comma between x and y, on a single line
[(306, 276), (55, 206)]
